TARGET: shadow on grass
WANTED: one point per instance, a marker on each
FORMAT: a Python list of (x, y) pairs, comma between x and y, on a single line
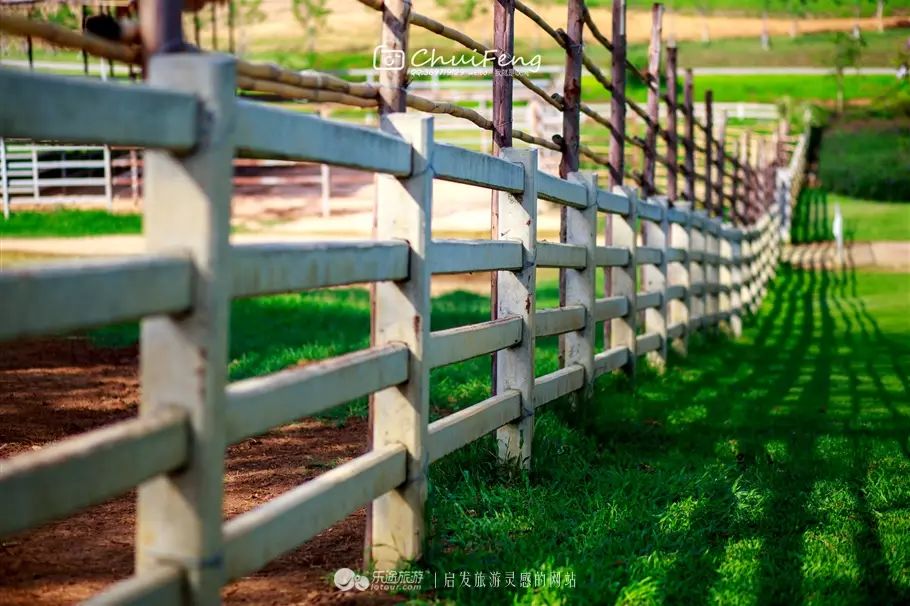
[(769, 470)]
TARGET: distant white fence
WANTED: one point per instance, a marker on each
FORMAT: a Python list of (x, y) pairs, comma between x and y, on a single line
[(696, 273)]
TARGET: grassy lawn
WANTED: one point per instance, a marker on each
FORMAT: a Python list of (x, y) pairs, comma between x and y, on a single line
[(67, 223), (773, 469), (767, 88), (864, 220)]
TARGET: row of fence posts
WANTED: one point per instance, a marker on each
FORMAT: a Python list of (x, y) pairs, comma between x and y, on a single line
[(395, 525)]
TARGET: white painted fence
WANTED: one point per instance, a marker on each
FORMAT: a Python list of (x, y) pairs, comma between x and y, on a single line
[(699, 273)]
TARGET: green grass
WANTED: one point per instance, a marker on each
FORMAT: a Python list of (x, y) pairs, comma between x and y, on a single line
[(864, 220), (68, 223), (768, 88), (816, 8), (867, 159), (774, 469)]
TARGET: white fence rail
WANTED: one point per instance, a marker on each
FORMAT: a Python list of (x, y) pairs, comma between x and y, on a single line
[(701, 272)]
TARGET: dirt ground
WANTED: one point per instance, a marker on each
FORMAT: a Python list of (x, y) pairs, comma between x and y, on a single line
[(51, 389), (353, 27)]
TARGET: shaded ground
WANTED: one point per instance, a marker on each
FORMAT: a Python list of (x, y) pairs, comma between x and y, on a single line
[(50, 389)]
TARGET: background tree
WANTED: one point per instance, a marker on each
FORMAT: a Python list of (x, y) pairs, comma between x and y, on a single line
[(459, 10), (847, 51), (311, 14)]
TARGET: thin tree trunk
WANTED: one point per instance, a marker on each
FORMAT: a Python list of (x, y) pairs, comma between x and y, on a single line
[(706, 29), (765, 38), (794, 26), (880, 14)]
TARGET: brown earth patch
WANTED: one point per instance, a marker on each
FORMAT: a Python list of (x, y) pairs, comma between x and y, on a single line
[(54, 388)]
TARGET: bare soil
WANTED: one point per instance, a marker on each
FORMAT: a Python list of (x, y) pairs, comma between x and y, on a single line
[(54, 388)]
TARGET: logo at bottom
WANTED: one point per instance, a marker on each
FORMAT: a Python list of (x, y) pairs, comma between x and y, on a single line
[(346, 579)]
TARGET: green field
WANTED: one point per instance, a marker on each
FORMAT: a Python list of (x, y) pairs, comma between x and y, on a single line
[(68, 223), (772, 469), (864, 220)]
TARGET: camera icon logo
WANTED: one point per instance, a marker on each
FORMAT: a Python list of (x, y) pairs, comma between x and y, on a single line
[(386, 59)]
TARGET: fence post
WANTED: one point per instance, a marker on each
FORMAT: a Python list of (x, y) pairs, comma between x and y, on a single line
[(709, 149), (721, 152), (394, 37), (679, 275), (724, 275), (746, 177), (655, 279), (736, 279), (650, 160), (697, 269), (618, 100), (183, 359), (689, 140), (581, 230), (517, 296), (4, 181), (504, 45), (672, 147), (392, 99), (625, 280), (617, 133), (571, 126), (402, 315)]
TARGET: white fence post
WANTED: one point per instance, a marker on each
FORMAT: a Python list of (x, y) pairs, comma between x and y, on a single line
[(655, 279), (402, 315), (184, 358), (581, 230), (108, 184), (697, 273), (678, 275), (625, 281), (4, 181), (725, 277), (712, 273), (516, 296), (736, 281)]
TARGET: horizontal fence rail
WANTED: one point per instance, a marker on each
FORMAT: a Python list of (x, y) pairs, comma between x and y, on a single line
[(675, 266)]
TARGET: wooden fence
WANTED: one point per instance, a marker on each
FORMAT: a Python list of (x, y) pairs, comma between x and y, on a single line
[(688, 270)]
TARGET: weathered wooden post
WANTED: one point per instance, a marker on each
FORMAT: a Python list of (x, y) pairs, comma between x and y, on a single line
[(581, 230), (515, 365), (571, 126), (402, 315), (625, 281), (504, 48), (571, 114), (721, 157), (689, 140), (709, 144), (653, 126), (183, 358), (672, 134), (747, 177), (617, 132)]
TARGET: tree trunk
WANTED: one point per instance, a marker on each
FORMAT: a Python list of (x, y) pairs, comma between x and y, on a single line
[(794, 26), (705, 30), (765, 38), (879, 14)]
